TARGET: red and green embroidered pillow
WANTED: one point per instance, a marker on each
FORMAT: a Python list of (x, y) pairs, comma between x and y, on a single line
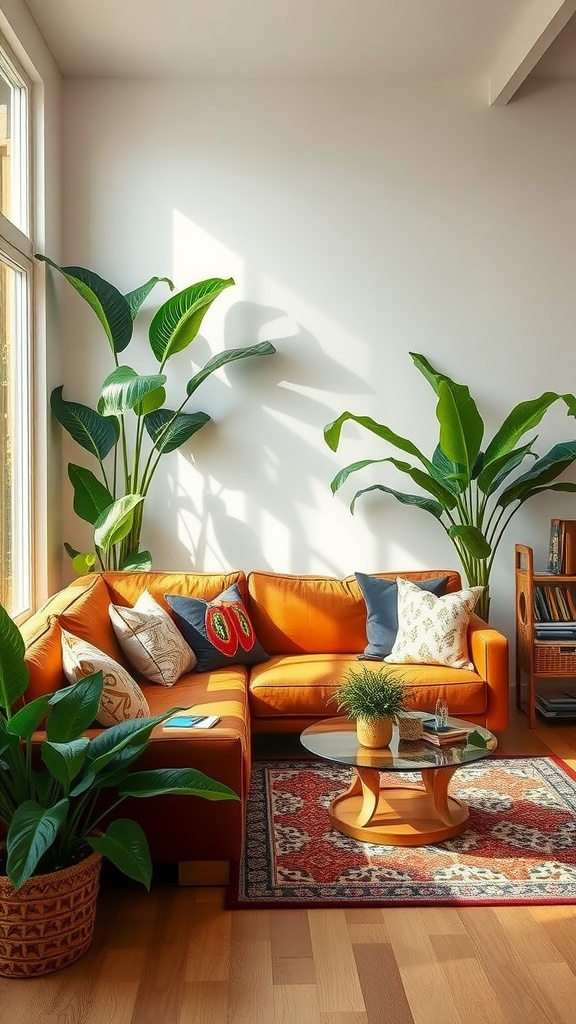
[(219, 631)]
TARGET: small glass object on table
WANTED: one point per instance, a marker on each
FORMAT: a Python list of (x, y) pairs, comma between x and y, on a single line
[(441, 714)]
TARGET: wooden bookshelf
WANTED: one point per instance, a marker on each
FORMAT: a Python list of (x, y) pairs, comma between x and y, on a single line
[(537, 658)]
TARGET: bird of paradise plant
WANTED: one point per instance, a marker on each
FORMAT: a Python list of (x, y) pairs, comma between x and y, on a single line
[(469, 488)]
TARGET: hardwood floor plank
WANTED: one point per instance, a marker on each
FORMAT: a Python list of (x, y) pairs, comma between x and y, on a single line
[(295, 1003), (208, 945), (382, 988), (559, 984), (293, 971), (337, 978), (203, 1002), (290, 933), (250, 982)]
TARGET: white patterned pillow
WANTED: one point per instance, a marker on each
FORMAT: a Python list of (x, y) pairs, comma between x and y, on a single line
[(151, 641), (433, 630), (122, 698)]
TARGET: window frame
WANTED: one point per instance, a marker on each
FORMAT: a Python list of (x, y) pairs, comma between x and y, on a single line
[(16, 251)]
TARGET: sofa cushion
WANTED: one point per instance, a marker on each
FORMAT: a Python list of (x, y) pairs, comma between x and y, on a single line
[(316, 614), (433, 630), (219, 631), (124, 588), (299, 686), (122, 698), (381, 599), (151, 641)]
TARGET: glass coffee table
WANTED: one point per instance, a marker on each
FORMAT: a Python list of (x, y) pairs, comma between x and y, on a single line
[(396, 815)]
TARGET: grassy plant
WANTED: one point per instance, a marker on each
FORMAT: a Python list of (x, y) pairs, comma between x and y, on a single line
[(371, 693)]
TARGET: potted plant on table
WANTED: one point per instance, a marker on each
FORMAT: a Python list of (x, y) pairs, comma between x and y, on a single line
[(51, 858), (375, 698)]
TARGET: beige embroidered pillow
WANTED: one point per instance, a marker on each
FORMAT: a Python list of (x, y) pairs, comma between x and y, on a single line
[(433, 630), (151, 641), (122, 698)]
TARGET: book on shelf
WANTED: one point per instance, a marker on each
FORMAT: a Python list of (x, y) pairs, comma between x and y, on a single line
[(562, 547), (566, 711)]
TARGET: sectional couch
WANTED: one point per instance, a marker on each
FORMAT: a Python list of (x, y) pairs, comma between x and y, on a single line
[(312, 627)]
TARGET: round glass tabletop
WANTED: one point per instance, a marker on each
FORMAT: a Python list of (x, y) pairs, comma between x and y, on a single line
[(334, 739)]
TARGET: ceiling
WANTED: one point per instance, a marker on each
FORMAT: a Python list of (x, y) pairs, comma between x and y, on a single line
[(308, 38)]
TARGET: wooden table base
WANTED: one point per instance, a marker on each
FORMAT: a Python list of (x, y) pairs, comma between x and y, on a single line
[(399, 815)]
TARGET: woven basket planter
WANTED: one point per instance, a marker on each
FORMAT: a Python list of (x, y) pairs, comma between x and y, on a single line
[(49, 922), (374, 732)]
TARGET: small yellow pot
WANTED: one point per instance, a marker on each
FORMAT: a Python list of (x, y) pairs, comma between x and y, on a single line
[(374, 732)]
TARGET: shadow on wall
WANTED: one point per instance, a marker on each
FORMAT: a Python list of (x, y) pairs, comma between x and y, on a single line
[(256, 473)]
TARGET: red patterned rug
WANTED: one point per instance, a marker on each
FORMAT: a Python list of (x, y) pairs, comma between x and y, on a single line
[(519, 846)]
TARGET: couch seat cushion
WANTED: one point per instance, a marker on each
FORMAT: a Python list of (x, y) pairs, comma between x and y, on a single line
[(301, 685)]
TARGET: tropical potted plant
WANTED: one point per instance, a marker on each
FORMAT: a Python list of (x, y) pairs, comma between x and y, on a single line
[(375, 698), (54, 843), (469, 488), (127, 459)]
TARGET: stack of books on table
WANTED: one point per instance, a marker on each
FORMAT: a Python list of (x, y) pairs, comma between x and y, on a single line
[(444, 735), (562, 706)]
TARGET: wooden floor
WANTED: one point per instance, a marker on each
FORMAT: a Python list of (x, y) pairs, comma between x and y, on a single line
[(175, 956)]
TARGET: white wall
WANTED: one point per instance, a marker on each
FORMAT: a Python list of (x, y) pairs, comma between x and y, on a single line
[(23, 36), (360, 221)]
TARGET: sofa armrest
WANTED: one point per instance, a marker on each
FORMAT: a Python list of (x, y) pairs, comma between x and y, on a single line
[(489, 654)]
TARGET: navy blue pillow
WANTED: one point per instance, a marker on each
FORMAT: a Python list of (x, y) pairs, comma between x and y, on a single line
[(381, 599), (219, 631)]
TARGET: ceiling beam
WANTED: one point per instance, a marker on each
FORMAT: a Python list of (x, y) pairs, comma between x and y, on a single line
[(534, 33)]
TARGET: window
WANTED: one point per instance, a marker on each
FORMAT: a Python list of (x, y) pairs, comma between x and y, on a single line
[(15, 339)]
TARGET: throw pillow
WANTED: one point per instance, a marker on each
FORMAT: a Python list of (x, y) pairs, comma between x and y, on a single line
[(381, 599), (122, 698), (433, 630), (219, 632), (151, 641)]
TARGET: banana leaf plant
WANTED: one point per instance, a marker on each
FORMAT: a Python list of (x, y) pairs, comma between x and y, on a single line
[(468, 487), (49, 783), (113, 503)]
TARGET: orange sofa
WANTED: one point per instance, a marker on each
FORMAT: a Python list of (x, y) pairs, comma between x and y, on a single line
[(312, 627)]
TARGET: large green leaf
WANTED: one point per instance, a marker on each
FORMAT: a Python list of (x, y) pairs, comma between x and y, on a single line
[(125, 844), (170, 430), (139, 295), (185, 781), (178, 320), (154, 400), (545, 469), (427, 504), (91, 497), (124, 388), (97, 434), (354, 467), (110, 306), (139, 561), (74, 708), (473, 540), (523, 417), (65, 760), (25, 722), (496, 471), (116, 521), (13, 667), (32, 832), (448, 473), (110, 742), (461, 426), (443, 494), (427, 370), (263, 348), (333, 430)]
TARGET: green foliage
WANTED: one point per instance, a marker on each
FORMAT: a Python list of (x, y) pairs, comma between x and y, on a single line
[(127, 459), (48, 788), (370, 693), (469, 489)]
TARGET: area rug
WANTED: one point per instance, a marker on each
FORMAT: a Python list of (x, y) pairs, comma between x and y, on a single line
[(519, 846)]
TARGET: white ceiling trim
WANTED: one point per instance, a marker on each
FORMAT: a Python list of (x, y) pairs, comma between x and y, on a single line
[(535, 32)]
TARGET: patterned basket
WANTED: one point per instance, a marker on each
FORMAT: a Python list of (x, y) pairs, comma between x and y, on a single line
[(49, 922), (410, 727), (549, 657)]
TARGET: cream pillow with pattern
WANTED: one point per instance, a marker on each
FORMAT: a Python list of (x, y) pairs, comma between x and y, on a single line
[(122, 698), (151, 641), (433, 630)]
